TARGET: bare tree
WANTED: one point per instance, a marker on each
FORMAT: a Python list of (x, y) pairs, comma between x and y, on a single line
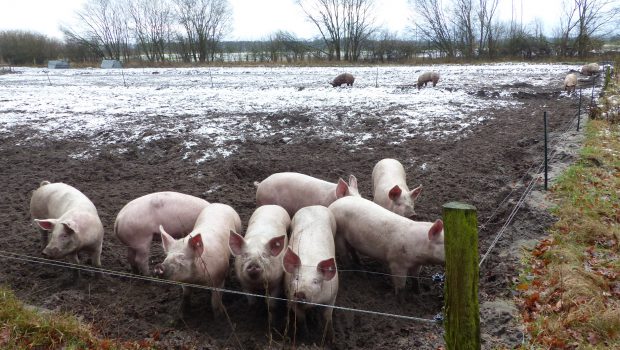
[(205, 23), (593, 16), (464, 22), (486, 12), (152, 22), (105, 24), (432, 23), (359, 26), (343, 24)]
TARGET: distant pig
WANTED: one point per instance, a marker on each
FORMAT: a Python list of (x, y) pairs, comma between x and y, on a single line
[(426, 77), (310, 264), (68, 222), (590, 69), (140, 219), (202, 256), (390, 188), (570, 82), (405, 245), (258, 255), (293, 191), (344, 78)]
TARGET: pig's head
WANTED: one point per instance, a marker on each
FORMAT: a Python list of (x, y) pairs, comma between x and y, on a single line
[(402, 202), (63, 239), (307, 281), (256, 259), (182, 257), (343, 189), (437, 254)]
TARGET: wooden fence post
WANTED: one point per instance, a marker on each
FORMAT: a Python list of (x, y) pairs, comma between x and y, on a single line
[(462, 321)]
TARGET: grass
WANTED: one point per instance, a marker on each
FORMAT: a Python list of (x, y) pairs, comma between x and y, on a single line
[(25, 328), (569, 290)]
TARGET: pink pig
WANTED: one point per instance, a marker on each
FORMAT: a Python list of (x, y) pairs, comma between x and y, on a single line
[(390, 188), (140, 219), (293, 191), (202, 256), (310, 264), (68, 222), (405, 245), (258, 255)]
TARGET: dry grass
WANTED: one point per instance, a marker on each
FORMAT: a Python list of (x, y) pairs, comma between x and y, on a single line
[(569, 291), (25, 328)]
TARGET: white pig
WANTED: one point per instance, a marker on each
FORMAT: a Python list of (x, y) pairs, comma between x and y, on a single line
[(390, 188), (570, 82), (140, 219), (405, 245), (202, 256), (258, 255), (68, 222), (310, 264), (427, 77), (293, 191)]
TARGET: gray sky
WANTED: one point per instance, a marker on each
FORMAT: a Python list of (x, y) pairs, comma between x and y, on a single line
[(257, 19)]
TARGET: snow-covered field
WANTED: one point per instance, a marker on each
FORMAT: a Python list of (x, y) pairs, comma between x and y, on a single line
[(228, 104)]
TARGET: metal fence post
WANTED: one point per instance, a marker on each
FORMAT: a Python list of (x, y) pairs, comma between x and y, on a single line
[(546, 165), (579, 112)]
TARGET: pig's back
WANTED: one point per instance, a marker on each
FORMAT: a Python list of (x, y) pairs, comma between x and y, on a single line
[(313, 234), (52, 200), (176, 212), (293, 191)]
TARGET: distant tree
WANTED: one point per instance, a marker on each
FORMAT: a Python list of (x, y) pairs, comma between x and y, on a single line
[(343, 24), (103, 23), (151, 23), (585, 20), (205, 22), (433, 25), (485, 14), (24, 47)]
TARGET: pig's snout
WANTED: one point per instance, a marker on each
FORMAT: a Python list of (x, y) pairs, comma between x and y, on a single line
[(158, 270), (300, 296), (51, 253), (254, 271)]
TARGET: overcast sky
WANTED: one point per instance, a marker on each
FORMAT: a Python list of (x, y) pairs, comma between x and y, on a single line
[(257, 19)]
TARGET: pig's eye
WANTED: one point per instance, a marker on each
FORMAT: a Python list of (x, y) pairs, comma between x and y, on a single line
[(297, 278), (315, 281)]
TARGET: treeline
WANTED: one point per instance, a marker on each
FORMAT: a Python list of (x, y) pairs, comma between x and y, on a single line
[(188, 31)]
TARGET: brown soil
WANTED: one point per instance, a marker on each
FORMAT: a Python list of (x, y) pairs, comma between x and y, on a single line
[(480, 168)]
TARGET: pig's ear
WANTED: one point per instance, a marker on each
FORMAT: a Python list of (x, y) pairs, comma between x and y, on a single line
[(342, 189), (327, 268), (196, 244), (435, 231), (416, 192), (395, 192), (166, 239), (291, 261), (47, 224), (276, 245), (70, 226), (352, 181), (236, 243)]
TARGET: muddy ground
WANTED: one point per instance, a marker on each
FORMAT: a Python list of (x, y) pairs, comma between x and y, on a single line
[(480, 168)]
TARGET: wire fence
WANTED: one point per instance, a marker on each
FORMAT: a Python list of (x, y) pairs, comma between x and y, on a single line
[(67, 265)]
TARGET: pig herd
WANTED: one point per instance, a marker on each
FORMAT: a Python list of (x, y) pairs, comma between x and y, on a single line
[(570, 82), (424, 78), (299, 228)]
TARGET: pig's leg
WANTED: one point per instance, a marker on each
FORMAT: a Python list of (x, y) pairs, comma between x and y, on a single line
[(44, 238), (139, 260), (414, 271), (95, 259), (75, 259), (399, 278), (185, 300), (343, 249), (328, 332), (274, 291), (216, 301)]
